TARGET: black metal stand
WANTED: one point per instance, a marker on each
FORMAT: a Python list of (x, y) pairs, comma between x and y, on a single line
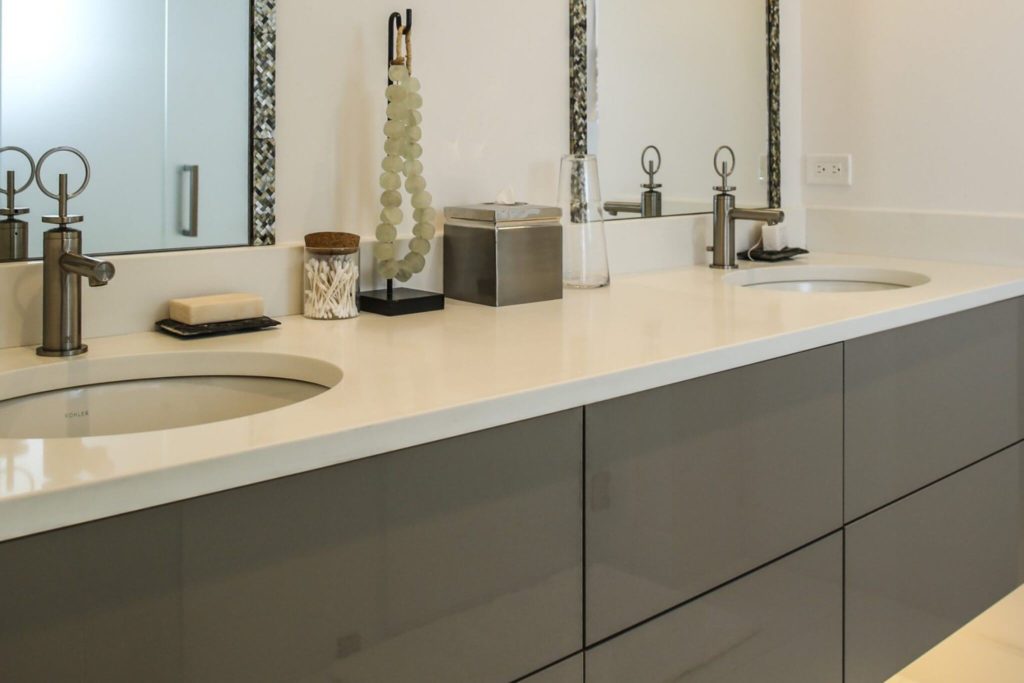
[(401, 301)]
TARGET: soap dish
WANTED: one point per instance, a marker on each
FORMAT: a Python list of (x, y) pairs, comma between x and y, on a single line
[(184, 331)]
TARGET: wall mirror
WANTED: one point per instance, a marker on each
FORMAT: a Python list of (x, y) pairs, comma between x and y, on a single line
[(686, 77), (172, 102)]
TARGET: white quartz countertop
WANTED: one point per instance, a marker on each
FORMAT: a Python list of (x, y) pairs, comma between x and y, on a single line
[(425, 377)]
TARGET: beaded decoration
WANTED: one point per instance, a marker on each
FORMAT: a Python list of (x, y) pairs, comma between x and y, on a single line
[(402, 159)]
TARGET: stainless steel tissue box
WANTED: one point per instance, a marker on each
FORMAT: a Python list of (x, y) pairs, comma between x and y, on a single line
[(503, 254)]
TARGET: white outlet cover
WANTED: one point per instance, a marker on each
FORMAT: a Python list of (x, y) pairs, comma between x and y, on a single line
[(829, 169)]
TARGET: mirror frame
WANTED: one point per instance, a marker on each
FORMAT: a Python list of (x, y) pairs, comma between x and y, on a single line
[(263, 122), (579, 70)]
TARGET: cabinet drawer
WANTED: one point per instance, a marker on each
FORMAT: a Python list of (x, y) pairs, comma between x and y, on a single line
[(569, 671), (694, 484), (918, 570), (781, 624), (925, 400)]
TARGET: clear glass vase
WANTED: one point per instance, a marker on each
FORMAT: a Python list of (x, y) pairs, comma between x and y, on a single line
[(585, 253)]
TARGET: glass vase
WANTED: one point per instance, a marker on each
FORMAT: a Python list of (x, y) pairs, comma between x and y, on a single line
[(585, 253)]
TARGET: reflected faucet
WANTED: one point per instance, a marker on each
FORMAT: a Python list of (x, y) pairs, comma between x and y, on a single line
[(726, 214), (64, 266), (649, 205), (13, 226)]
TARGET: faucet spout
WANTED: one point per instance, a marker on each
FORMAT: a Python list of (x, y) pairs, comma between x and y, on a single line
[(769, 216), (99, 273), (615, 208)]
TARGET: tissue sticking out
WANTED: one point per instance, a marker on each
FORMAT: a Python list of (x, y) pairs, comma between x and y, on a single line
[(507, 196)]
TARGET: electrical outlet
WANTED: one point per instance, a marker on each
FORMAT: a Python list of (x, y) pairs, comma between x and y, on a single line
[(829, 169)]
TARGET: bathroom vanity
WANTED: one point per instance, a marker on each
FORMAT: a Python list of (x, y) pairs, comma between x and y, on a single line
[(768, 486)]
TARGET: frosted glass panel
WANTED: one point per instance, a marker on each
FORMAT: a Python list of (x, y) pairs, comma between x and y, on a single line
[(687, 76), (143, 88)]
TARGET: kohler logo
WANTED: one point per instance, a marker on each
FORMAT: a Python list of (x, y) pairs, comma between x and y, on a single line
[(76, 414)]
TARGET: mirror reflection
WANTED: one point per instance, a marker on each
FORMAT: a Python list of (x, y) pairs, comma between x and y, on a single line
[(685, 77), (156, 95)]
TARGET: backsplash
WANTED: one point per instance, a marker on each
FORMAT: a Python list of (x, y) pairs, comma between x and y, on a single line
[(996, 239), (138, 296)]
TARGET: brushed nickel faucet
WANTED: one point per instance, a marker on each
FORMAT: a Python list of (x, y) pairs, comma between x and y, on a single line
[(649, 205), (726, 214), (13, 226), (64, 266)]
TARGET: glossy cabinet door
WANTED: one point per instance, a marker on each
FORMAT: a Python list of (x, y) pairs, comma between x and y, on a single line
[(781, 624), (569, 671), (919, 569), (691, 485), (458, 561), (925, 400), (94, 603)]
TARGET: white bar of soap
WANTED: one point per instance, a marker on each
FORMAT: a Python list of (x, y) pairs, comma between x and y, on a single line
[(217, 308)]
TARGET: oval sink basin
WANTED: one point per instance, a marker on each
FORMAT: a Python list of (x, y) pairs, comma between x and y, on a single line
[(809, 279), (109, 396)]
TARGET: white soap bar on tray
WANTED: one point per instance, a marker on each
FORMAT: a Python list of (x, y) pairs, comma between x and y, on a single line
[(218, 308)]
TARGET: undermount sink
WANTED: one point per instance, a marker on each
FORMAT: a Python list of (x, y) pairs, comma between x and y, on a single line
[(107, 396), (809, 279)]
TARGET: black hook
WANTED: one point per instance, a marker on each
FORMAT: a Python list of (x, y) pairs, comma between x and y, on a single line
[(394, 26)]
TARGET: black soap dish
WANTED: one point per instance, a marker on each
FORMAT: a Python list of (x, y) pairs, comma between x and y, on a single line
[(760, 254), (183, 331)]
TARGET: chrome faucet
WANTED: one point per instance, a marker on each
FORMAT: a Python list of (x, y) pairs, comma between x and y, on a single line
[(649, 205), (64, 266), (726, 214)]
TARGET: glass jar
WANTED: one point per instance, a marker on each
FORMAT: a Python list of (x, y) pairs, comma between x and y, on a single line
[(330, 276)]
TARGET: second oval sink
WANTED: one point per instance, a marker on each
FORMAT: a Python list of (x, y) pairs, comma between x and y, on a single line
[(111, 396), (810, 279)]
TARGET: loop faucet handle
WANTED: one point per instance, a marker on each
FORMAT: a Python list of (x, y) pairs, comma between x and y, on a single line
[(63, 196), (650, 168), (11, 189), (725, 169)]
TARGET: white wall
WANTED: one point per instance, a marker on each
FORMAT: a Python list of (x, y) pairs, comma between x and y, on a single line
[(926, 95), (496, 105)]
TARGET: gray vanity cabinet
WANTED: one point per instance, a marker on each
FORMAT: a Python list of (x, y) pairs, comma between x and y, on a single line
[(693, 484), (925, 400), (458, 561), (569, 671), (94, 603), (780, 624), (919, 569)]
